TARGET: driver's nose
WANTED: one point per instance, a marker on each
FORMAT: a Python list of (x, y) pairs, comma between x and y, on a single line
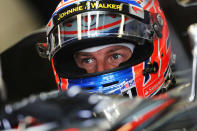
[(100, 66), (103, 66)]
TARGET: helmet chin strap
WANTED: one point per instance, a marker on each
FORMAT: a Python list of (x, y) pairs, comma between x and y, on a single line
[(96, 48)]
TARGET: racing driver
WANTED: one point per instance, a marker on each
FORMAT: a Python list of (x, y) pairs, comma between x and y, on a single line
[(110, 47)]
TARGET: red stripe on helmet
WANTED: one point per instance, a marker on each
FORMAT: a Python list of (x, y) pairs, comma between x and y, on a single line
[(93, 29), (56, 75), (147, 5), (136, 9), (139, 78)]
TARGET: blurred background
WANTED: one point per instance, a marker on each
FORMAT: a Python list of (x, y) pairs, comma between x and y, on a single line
[(21, 17), (24, 72), (20, 66)]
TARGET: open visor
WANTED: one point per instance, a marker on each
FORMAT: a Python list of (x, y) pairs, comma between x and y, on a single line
[(95, 28)]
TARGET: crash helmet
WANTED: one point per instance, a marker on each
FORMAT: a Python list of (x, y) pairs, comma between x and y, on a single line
[(135, 35)]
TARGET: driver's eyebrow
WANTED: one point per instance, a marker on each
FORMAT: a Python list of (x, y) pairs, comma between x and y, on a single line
[(114, 49), (82, 54)]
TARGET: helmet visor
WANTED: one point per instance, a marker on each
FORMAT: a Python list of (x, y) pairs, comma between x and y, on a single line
[(96, 24)]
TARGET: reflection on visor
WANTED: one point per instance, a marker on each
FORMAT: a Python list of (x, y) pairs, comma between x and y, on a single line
[(98, 24)]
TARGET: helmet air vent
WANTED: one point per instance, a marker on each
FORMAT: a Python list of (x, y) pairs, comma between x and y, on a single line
[(110, 84)]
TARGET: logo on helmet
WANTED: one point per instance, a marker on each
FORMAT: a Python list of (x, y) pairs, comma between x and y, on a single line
[(88, 6)]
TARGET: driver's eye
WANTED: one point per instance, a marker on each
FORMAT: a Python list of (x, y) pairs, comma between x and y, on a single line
[(87, 60), (116, 56)]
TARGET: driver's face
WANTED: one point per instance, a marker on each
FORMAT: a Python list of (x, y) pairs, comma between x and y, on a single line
[(103, 59)]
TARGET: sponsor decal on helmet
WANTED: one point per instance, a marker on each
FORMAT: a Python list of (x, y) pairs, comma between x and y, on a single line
[(154, 86), (126, 85), (88, 6)]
